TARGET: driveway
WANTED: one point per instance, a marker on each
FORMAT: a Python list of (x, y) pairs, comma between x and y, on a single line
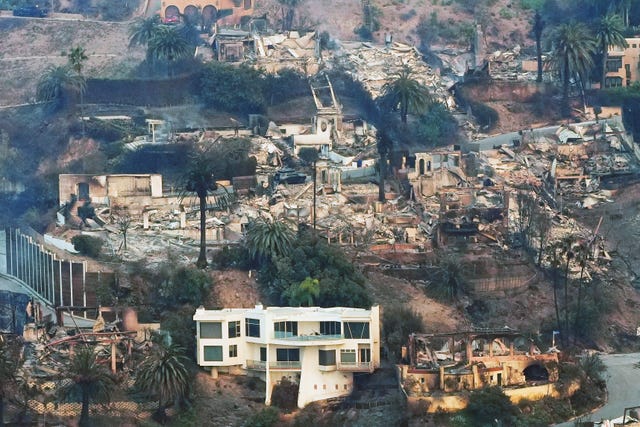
[(623, 384)]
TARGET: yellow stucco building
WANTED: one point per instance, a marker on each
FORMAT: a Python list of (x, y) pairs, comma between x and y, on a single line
[(226, 12), (623, 64)]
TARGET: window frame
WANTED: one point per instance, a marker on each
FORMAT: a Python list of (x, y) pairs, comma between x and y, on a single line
[(212, 324), (322, 357), (349, 330), (250, 327), (215, 348), (234, 329), (233, 350)]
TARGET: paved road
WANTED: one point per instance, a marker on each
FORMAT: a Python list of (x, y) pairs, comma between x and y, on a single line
[(623, 384)]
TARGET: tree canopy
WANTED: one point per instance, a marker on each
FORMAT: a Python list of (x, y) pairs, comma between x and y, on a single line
[(405, 94)]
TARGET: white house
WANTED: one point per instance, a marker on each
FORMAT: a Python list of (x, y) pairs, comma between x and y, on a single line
[(317, 348)]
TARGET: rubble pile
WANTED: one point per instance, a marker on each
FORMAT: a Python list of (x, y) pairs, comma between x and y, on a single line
[(376, 65)]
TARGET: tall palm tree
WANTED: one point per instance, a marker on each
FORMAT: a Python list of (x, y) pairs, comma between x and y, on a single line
[(267, 239), (142, 30), (77, 58), (451, 277), (200, 178), (538, 27), (8, 371), (164, 375), (573, 55), (55, 80), (609, 34), (89, 378), (405, 93)]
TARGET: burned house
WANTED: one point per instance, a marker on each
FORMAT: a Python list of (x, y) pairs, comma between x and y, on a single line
[(436, 170), (473, 359), (472, 215)]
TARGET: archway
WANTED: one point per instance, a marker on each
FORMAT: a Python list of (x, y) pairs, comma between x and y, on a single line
[(536, 373), (192, 14), (209, 16), (171, 12)]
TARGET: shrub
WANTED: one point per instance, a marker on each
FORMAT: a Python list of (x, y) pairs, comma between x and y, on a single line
[(490, 404), (88, 245), (285, 395), (397, 323), (268, 417)]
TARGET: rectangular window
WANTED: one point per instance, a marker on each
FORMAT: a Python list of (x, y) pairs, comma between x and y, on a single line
[(234, 329), (233, 350), (252, 328), (330, 328), (613, 82), (213, 353), (288, 354), (365, 354), (327, 357), (285, 329), (263, 354), (347, 356), (614, 64), (211, 330), (356, 330)]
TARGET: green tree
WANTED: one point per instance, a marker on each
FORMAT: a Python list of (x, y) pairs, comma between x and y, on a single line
[(200, 179), (406, 94), (398, 322), (305, 293), (88, 377), (8, 371), (609, 34), (572, 55), (164, 375), (54, 82), (490, 406), (450, 279), (267, 239), (168, 45), (538, 27), (77, 58), (235, 89), (143, 30)]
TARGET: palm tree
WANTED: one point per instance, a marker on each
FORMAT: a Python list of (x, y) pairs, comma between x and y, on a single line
[(89, 378), (538, 27), (609, 34), (164, 375), (451, 277), (167, 43), (405, 93), (142, 30), (8, 371), (267, 239), (77, 57), (304, 293), (200, 179), (573, 55), (55, 80)]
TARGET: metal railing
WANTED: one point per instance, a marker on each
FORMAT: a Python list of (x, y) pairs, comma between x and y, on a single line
[(285, 365), (309, 337), (257, 365)]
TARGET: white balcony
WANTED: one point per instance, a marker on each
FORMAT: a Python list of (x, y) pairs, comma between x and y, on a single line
[(355, 366)]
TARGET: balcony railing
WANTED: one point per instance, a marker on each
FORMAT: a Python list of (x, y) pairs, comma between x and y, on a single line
[(257, 365), (285, 365), (308, 337), (355, 366)]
